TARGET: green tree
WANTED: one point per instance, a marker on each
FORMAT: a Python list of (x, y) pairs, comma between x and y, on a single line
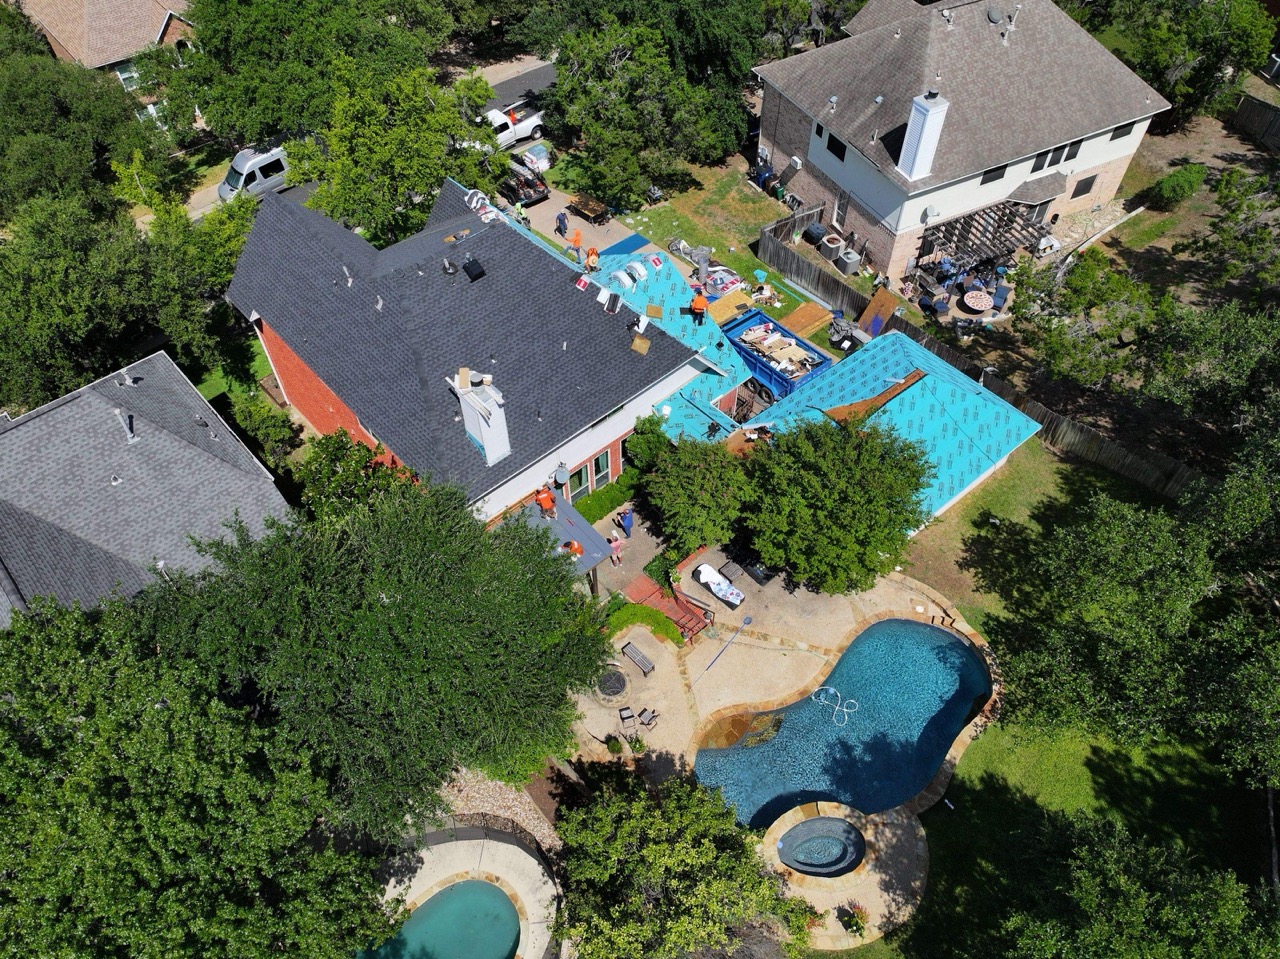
[(62, 126), (837, 502), (648, 444), (75, 293), (1216, 363), (272, 429), (1243, 239), (1126, 899), (339, 474), (18, 35), (1081, 321), (142, 816), (1197, 54), (664, 874), (269, 67), (1103, 634), (390, 144), (700, 491), (399, 643)]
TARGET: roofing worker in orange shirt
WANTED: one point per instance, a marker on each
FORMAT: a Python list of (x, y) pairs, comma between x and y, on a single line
[(546, 501), (511, 115), (572, 547), (698, 308)]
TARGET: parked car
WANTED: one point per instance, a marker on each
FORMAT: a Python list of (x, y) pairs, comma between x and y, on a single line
[(255, 173), (523, 186), (517, 122)]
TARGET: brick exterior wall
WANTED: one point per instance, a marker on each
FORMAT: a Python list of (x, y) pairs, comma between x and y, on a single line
[(307, 393), (176, 29), (784, 132)]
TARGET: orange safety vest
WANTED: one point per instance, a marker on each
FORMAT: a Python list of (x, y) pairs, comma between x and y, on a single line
[(699, 304)]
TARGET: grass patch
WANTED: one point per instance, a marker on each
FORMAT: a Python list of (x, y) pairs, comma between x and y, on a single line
[(220, 380), (637, 614), (1144, 229), (1036, 487), (599, 504), (1005, 785)]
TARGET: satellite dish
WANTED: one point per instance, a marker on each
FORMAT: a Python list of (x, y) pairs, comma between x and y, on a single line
[(562, 476)]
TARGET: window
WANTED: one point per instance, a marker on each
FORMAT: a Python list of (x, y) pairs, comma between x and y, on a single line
[(1073, 149), (128, 74), (1038, 211), (149, 113), (835, 147), (1056, 156), (1083, 188), (1041, 159), (250, 178), (819, 131), (600, 466), (842, 211), (995, 173), (578, 487), (1122, 131), (274, 168)]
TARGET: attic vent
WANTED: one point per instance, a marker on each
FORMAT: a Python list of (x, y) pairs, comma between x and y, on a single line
[(127, 380), (472, 268), (449, 268), (116, 480), (995, 14)]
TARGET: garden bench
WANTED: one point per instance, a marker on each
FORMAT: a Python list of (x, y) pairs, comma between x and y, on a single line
[(637, 657)]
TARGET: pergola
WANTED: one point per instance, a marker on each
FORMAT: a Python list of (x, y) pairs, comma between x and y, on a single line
[(993, 232)]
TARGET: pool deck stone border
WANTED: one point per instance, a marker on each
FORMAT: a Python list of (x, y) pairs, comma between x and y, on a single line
[(447, 858)]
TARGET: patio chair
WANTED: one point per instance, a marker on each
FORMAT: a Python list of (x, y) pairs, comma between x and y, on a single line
[(1000, 297), (627, 717), (647, 718)]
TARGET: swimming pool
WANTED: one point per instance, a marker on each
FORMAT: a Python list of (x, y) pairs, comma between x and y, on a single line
[(871, 737), (468, 920)]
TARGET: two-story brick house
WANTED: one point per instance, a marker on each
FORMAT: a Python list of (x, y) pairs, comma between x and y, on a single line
[(964, 126)]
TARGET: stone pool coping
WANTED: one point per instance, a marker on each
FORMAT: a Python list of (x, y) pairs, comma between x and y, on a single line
[(889, 887), (728, 718), (447, 858)]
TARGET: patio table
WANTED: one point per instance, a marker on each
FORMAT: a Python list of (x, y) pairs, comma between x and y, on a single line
[(978, 300)]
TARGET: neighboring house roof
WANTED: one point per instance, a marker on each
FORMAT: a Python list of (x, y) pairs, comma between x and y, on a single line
[(1051, 83), (83, 511), (561, 362), (99, 32), (964, 428)]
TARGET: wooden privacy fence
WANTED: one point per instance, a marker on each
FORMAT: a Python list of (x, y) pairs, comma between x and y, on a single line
[(1153, 470), (1259, 120), (775, 251)]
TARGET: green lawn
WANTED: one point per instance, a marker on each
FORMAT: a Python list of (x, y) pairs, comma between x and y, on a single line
[(1034, 487), (216, 382), (1011, 779)]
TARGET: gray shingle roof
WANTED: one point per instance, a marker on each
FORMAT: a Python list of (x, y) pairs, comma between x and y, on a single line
[(84, 512), (560, 361), (1041, 188), (1050, 84)]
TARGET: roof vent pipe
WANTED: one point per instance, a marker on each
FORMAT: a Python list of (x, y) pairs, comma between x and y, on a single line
[(127, 423), (347, 273), (924, 133)]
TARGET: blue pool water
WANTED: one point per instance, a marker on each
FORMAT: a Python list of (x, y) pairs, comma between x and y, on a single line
[(468, 920), (914, 687)]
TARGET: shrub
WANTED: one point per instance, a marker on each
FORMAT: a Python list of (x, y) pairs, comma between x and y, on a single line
[(637, 745), (661, 567), (1181, 184), (596, 506), (636, 613), (614, 745), (272, 429)]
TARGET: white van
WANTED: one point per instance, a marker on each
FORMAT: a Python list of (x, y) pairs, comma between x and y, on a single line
[(526, 126), (255, 173)]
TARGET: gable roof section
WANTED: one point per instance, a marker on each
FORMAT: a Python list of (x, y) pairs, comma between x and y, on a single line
[(560, 361), (1050, 84), (83, 511), (964, 428), (99, 32)]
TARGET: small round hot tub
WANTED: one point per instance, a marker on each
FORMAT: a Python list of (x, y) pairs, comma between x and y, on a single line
[(823, 846)]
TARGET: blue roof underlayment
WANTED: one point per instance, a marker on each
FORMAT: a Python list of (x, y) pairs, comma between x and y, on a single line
[(964, 428), (692, 408)]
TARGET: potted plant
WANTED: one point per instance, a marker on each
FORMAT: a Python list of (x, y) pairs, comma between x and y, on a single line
[(853, 919)]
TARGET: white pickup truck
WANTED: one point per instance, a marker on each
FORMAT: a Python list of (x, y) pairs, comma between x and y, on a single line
[(527, 124)]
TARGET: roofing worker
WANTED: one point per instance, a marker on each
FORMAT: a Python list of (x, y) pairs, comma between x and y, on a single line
[(511, 115), (546, 501), (593, 259), (572, 547), (698, 307), (575, 244)]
